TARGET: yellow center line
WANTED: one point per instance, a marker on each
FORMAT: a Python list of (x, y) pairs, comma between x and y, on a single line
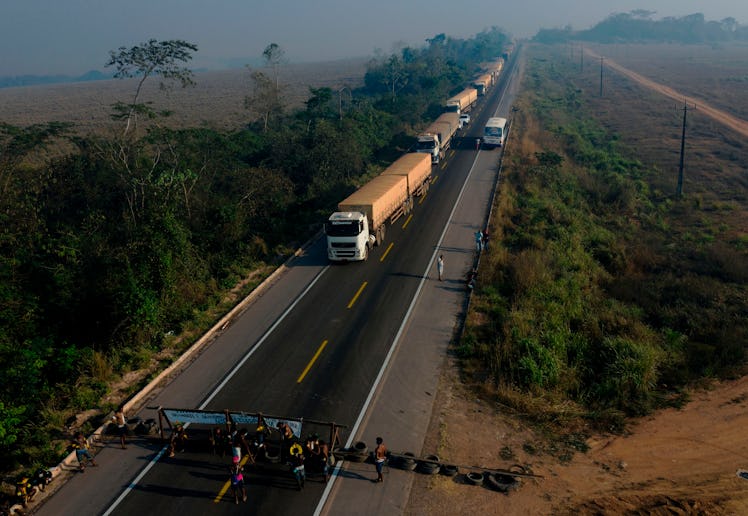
[(434, 179), (420, 201), (353, 301), (311, 362), (407, 221), (228, 482), (384, 255), (444, 164)]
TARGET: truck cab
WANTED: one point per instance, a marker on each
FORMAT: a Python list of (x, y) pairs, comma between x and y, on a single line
[(429, 143), (347, 236)]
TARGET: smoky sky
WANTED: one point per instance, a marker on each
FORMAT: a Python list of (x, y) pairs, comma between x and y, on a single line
[(44, 37)]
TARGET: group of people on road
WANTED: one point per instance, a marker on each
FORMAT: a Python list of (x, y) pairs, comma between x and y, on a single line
[(315, 453), (481, 240)]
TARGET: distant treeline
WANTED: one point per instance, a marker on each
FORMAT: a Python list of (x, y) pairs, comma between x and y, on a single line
[(110, 249), (35, 80), (638, 26)]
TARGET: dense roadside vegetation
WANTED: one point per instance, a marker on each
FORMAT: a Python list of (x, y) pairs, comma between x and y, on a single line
[(601, 296), (119, 247)]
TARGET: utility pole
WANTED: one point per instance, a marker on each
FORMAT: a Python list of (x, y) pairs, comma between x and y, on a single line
[(681, 165), (601, 76)]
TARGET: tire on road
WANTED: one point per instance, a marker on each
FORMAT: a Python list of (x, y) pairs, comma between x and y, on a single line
[(272, 454)]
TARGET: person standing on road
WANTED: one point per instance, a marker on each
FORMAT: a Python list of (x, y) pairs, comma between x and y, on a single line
[(328, 460), (440, 266), (479, 240), (237, 483), (120, 420), (380, 455), (297, 465)]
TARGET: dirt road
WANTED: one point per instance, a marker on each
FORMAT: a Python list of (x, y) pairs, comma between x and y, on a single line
[(736, 124)]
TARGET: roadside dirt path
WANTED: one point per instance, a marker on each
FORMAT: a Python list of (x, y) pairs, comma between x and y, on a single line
[(736, 124), (673, 462)]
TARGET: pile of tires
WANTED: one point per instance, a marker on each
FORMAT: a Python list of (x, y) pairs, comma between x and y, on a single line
[(429, 466), (407, 461), (358, 453), (146, 427), (448, 470)]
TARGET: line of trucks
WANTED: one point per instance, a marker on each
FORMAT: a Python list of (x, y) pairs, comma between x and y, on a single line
[(361, 220)]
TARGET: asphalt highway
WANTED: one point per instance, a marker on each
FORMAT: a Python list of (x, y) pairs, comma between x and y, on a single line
[(319, 363)]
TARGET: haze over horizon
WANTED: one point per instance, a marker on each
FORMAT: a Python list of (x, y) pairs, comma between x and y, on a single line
[(49, 37)]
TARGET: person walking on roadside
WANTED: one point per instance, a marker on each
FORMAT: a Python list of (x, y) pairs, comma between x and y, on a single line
[(485, 239), (440, 266), (80, 444), (380, 455), (120, 420)]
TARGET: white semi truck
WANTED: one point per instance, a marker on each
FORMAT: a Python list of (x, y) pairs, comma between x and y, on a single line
[(361, 219), (437, 137)]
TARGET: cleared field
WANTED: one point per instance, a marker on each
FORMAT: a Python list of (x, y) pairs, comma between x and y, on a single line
[(718, 74), (217, 100), (650, 124)]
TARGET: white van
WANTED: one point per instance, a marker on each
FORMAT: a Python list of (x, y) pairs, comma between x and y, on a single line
[(494, 132)]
